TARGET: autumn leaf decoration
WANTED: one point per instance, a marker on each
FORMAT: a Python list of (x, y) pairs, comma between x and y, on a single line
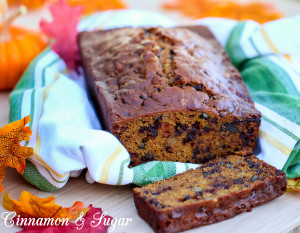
[(99, 5), (88, 5), (11, 152), (63, 29), (30, 206), (259, 11), (293, 185)]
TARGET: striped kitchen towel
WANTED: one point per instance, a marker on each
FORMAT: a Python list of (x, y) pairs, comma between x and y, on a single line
[(67, 135)]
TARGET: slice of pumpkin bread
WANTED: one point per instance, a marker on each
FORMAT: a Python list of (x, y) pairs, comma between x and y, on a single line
[(215, 191)]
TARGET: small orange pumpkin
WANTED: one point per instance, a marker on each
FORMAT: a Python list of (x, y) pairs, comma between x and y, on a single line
[(18, 46)]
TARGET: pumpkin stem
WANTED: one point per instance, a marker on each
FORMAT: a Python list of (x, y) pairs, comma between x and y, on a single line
[(4, 34), (3, 9)]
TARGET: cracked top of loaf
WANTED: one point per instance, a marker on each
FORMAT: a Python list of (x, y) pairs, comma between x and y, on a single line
[(141, 71)]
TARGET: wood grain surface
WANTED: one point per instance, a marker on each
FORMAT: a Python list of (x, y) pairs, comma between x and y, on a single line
[(279, 216)]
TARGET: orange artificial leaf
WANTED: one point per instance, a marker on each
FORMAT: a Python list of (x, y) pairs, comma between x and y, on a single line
[(260, 11), (89, 6), (75, 211), (30, 206), (11, 152), (98, 5), (293, 185), (28, 3)]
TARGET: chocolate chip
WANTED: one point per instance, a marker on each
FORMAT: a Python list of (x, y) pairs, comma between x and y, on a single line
[(255, 119), (187, 197), (250, 131), (221, 185), (205, 173), (152, 130), (178, 128), (211, 156), (135, 155), (171, 58), (232, 128), (212, 164), (195, 127), (190, 137), (198, 87), (148, 157), (223, 129), (158, 74), (143, 129), (206, 129), (202, 209), (172, 52), (154, 133), (135, 71), (185, 127), (177, 78), (156, 203), (157, 122), (279, 172), (238, 181), (202, 160), (213, 97), (199, 194), (243, 135), (254, 178), (213, 121), (143, 96), (251, 164), (168, 149), (237, 121), (151, 201), (196, 151), (216, 169)]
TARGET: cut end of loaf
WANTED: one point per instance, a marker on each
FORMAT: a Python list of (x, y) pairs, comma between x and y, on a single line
[(187, 136)]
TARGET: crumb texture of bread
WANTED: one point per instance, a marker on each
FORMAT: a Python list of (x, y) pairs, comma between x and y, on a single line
[(215, 191), (169, 94)]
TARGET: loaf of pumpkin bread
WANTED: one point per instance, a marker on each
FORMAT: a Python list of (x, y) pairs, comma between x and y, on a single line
[(213, 192), (169, 94)]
